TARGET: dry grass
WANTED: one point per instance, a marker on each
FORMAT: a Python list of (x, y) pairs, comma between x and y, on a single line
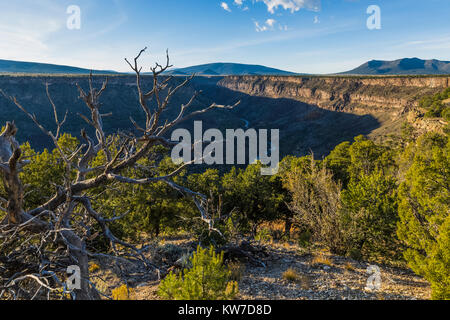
[(287, 245), (349, 267), (321, 260), (306, 282), (275, 229), (93, 267), (123, 293), (292, 275)]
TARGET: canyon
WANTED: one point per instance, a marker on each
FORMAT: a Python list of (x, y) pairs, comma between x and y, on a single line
[(313, 113), (350, 94), (389, 99)]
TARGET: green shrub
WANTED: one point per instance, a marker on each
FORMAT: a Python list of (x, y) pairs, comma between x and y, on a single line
[(435, 105), (435, 111), (207, 279), (257, 198), (446, 114), (424, 212), (264, 235), (304, 239), (370, 216)]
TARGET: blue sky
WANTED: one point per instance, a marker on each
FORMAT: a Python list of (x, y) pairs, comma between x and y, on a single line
[(312, 36)]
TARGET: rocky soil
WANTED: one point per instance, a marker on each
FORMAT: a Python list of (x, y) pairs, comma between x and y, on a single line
[(319, 276), (324, 277)]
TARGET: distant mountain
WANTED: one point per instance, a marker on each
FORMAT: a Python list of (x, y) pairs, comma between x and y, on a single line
[(8, 66), (225, 69), (407, 66)]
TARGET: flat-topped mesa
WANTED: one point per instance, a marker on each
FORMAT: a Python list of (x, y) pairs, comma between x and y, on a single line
[(355, 94)]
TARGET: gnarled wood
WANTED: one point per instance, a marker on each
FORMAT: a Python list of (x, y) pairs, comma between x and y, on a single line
[(54, 221)]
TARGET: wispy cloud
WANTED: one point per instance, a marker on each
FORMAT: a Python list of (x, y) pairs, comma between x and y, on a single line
[(271, 22), (225, 6), (36, 31), (441, 42), (291, 5), (277, 37), (274, 5), (120, 19), (268, 25), (23, 33), (260, 28), (240, 4)]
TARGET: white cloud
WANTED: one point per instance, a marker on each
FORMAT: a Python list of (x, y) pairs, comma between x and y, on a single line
[(260, 28), (225, 6), (268, 25), (271, 22), (316, 20), (291, 5), (441, 42)]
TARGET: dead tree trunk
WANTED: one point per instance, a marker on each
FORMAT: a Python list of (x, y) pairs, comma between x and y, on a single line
[(54, 222)]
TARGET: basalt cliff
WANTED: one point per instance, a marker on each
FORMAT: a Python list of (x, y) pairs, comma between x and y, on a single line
[(395, 95), (389, 99), (313, 114)]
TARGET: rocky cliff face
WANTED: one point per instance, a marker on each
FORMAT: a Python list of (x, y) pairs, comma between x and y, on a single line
[(369, 95), (312, 113)]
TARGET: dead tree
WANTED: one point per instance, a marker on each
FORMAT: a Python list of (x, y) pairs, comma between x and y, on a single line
[(37, 245)]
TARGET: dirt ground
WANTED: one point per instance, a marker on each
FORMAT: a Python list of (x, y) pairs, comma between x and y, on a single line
[(318, 276)]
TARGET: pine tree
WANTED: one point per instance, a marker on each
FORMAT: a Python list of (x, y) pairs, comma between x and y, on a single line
[(424, 212)]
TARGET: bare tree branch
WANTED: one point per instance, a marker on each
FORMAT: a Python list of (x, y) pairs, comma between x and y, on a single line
[(69, 219)]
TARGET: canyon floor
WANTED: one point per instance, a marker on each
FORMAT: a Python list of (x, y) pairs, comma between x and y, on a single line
[(319, 276)]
